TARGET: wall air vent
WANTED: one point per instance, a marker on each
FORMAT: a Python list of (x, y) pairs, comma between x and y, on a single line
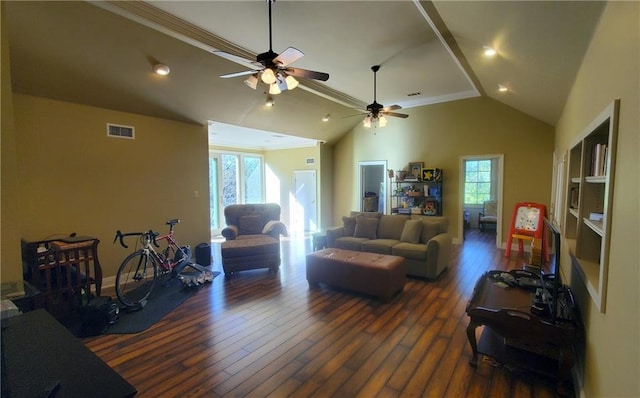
[(310, 160), (117, 130)]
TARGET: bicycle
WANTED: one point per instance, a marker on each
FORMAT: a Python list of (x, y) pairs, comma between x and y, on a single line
[(138, 273)]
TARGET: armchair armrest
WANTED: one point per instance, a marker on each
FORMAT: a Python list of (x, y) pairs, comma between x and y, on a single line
[(230, 232), (275, 228), (333, 234)]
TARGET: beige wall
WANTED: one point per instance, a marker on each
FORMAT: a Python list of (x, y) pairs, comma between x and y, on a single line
[(280, 168), (10, 268), (610, 70), (439, 135), (73, 178)]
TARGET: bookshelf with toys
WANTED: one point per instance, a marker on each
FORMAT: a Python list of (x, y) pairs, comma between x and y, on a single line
[(417, 193)]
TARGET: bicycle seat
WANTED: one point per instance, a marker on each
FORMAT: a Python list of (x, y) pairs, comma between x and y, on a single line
[(173, 222)]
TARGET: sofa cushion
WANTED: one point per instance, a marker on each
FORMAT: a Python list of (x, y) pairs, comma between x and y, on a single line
[(380, 246), (390, 226), (349, 243), (411, 231), (366, 227), (349, 224), (255, 246), (413, 251), (432, 226), (250, 224)]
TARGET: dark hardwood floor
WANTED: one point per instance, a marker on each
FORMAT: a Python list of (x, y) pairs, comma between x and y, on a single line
[(268, 335)]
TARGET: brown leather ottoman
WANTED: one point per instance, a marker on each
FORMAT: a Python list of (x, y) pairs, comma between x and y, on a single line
[(252, 252), (374, 274)]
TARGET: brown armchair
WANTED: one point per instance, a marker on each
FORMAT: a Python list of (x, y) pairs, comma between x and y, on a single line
[(252, 237)]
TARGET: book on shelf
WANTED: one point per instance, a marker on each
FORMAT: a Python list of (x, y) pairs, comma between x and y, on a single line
[(575, 192), (593, 216), (599, 160)]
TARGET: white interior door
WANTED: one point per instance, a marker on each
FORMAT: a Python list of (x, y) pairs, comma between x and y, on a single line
[(304, 212)]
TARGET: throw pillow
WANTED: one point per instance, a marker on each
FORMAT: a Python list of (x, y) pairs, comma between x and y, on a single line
[(429, 230), (411, 231), (250, 225), (366, 227), (349, 224)]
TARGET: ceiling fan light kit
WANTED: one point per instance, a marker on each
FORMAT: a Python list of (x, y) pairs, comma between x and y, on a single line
[(291, 82), (273, 68), (268, 76), (252, 81), (274, 89)]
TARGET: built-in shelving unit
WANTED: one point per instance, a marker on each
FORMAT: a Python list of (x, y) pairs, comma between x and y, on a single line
[(589, 200)]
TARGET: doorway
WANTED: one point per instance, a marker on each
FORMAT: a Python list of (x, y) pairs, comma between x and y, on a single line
[(489, 187), (373, 183)]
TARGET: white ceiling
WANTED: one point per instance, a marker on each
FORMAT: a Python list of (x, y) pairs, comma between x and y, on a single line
[(433, 49)]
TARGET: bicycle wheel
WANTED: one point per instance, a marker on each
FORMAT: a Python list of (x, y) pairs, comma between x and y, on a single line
[(136, 278)]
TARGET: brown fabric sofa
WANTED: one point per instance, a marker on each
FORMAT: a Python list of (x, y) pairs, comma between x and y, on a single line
[(423, 241), (252, 237)]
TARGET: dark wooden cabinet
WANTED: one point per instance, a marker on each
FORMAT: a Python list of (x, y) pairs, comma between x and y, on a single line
[(515, 336), (64, 271)]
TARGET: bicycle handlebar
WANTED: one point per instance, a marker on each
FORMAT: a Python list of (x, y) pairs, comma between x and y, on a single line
[(152, 235), (120, 236)]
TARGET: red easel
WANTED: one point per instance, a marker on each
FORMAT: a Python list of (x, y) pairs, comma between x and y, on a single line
[(527, 224)]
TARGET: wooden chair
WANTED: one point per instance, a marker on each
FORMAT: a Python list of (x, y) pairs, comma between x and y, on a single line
[(488, 215)]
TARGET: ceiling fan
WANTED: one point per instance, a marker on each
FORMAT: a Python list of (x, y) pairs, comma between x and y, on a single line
[(376, 112), (272, 68)]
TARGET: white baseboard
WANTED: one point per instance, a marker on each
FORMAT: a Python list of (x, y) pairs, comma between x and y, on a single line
[(109, 281)]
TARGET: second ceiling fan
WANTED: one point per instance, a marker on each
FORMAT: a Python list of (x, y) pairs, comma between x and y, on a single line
[(376, 112), (273, 69)]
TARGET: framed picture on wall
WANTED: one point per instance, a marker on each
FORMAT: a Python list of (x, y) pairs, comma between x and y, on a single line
[(415, 170)]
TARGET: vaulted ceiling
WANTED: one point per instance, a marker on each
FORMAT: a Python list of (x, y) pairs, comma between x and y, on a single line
[(102, 54)]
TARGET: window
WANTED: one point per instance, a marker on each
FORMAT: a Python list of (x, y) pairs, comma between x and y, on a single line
[(477, 181), (234, 178), (253, 179)]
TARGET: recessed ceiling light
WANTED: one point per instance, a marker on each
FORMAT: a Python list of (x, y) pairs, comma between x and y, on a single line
[(489, 51), (161, 69), (326, 118), (502, 88)]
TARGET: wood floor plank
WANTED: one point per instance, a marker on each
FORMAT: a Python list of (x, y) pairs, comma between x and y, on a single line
[(262, 334)]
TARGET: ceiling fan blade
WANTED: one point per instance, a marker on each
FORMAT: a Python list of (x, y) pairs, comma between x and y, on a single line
[(239, 60), (238, 74), (364, 113), (308, 74), (288, 56), (395, 114), (391, 108)]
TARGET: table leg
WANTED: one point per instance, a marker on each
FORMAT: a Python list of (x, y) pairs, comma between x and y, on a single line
[(565, 364), (471, 335)]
